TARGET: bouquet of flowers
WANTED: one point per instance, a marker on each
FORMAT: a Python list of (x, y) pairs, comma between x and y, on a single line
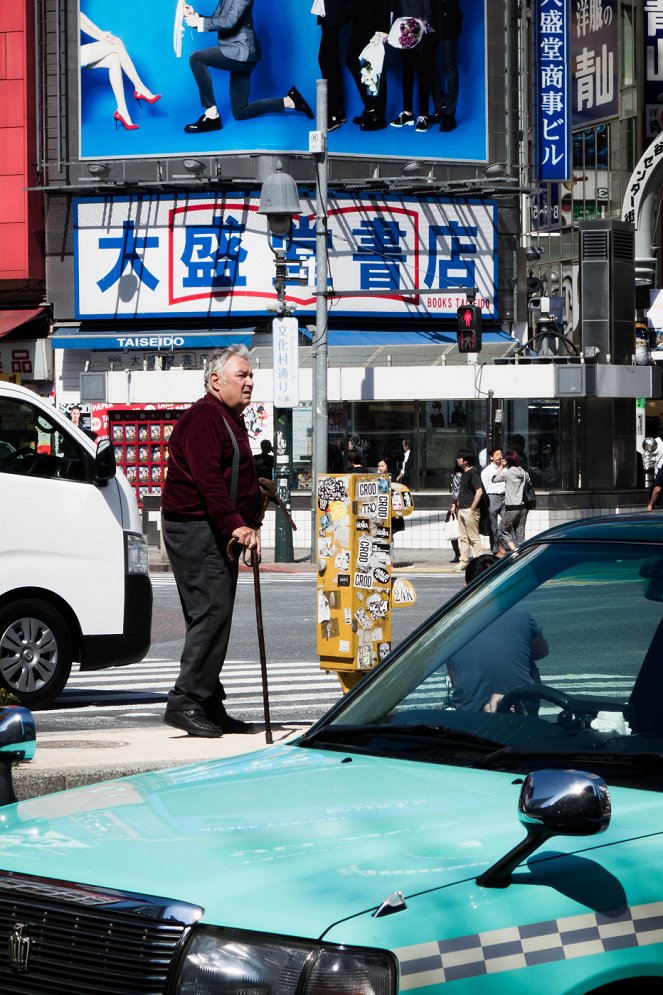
[(407, 32), (178, 28), (371, 64)]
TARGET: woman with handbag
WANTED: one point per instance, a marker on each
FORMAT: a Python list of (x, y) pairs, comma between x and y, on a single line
[(515, 514), (451, 530)]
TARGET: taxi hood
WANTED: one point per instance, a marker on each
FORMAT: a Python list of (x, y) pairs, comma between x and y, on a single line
[(288, 840)]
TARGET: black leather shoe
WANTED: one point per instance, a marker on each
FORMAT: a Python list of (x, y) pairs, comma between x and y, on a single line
[(203, 124), (448, 122), (192, 721), (334, 122), (217, 714), (372, 122), (299, 102)]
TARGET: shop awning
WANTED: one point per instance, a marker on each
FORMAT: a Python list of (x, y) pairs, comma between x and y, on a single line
[(10, 320), (366, 348), (346, 337), (163, 340)]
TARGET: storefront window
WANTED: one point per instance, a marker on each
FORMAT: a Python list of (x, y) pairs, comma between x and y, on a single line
[(532, 429), (437, 429)]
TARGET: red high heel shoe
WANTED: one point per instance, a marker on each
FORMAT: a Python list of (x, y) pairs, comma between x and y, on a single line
[(118, 117), (148, 100)]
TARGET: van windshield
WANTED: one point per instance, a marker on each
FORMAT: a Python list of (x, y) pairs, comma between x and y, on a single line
[(32, 444)]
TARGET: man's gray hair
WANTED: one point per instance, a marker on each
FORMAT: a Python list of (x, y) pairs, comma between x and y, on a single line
[(217, 361)]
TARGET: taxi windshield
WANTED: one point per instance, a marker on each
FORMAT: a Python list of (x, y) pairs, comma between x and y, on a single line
[(559, 653)]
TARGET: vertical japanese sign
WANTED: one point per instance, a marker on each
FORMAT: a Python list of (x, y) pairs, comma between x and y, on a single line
[(285, 345), (552, 108), (653, 81), (595, 60)]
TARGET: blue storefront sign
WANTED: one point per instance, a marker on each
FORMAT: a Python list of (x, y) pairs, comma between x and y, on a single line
[(552, 104)]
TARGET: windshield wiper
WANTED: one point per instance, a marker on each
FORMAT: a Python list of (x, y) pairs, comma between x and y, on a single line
[(415, 735), (583, 756)]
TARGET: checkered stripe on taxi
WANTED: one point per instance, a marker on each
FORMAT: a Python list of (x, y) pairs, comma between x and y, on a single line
[(515, 947)]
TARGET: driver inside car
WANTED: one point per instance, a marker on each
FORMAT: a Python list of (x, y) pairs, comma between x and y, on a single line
[(499, 658)]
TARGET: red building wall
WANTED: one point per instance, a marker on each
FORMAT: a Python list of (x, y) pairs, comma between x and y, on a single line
[(21, 213)]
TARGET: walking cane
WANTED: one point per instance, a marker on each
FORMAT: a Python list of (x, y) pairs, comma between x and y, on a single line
[(255, 563), (268, 492)]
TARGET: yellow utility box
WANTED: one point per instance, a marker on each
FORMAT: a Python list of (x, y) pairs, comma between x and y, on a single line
[(354, 591)]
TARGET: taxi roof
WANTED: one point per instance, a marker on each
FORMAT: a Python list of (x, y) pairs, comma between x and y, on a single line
[(644, 526)]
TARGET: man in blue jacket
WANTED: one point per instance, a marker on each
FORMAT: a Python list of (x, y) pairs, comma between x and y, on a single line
[(238, 52)]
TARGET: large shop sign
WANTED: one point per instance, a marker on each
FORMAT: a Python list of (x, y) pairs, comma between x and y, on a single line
[(208, 255)]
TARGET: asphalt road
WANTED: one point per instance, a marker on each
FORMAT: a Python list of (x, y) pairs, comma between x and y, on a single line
[(135, 695)]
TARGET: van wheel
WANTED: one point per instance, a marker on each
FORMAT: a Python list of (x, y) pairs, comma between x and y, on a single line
[(35, 652)]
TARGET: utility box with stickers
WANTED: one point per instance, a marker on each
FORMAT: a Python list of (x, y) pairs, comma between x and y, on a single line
[(354, 591)]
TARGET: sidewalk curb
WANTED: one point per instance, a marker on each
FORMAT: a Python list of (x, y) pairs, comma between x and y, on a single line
[(86, 761)]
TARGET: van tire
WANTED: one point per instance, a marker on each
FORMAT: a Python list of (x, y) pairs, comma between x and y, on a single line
[(35, 652)]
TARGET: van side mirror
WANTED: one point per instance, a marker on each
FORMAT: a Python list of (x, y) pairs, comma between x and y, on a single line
[(17, 742), (553, 803), (104, 462)]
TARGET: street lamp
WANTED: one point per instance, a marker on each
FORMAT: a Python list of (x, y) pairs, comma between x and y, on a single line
[(279, 202)]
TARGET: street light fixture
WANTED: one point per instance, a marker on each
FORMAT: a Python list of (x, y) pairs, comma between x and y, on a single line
[(279, 202)]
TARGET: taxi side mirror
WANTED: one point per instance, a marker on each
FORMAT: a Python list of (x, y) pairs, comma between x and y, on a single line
[(553, 803), (17, 743)]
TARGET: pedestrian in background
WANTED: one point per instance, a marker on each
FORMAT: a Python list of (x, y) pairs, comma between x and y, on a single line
[(514, 518), (451, 514), (468, 508), (494, 489), (404, 471), (656, 490), (355, 456), (211, 496), (264, 461)]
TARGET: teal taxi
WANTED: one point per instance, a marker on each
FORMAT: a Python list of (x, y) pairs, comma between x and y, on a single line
[(482, 814)]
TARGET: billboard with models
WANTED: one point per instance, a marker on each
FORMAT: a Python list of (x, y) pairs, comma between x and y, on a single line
[(406, 77)]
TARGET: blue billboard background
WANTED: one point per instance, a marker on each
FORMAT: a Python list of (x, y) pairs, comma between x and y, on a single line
[(289, 39)]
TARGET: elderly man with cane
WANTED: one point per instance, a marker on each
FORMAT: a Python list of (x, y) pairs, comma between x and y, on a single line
[(211, 499)]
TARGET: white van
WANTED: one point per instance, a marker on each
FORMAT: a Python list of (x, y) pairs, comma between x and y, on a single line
[(74, 581)]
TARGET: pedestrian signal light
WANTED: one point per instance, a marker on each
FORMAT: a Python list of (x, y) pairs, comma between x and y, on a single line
[(469, 328)]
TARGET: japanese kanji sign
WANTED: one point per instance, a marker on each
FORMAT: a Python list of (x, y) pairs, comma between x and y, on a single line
[(285, 335), (552, 110), (594, 60), (653, 82), (203, 256)]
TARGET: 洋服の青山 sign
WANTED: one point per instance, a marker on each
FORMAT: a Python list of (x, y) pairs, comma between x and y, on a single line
[(208, 255)]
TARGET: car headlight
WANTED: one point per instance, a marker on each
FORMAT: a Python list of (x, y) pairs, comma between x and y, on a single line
[(219, 963), (137, 560)]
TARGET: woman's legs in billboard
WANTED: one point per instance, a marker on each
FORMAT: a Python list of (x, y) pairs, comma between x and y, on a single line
[(113, 56)]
